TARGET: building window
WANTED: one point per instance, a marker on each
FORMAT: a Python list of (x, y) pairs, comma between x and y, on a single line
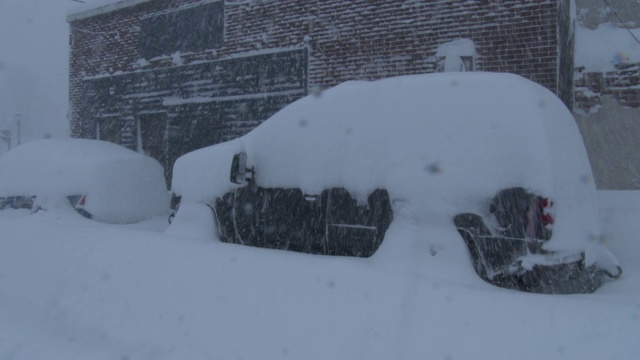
[(186, 30)]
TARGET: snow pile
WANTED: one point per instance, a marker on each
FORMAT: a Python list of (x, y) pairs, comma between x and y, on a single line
[(441, 144), (601, 49), (121, 185)]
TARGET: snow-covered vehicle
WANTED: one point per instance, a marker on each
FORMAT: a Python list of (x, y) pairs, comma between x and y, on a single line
[(496, 156), (102, 181)]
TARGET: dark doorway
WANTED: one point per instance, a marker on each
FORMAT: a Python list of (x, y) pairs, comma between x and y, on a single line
[(109, 129), (152, 138)]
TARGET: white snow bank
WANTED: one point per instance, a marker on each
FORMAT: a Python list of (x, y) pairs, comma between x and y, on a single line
[(601, 49), (121, 185), (193, 221), (441, 144), (98, 291)]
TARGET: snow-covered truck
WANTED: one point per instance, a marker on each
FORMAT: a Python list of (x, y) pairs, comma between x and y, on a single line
[(495, 156)]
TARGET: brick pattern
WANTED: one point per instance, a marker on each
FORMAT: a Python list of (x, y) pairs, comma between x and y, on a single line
[(367, 39), (622, 84), (346, 40), (107, 44), (194, 105)]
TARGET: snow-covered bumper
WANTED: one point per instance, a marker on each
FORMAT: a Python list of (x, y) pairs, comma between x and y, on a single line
[(509, 252)]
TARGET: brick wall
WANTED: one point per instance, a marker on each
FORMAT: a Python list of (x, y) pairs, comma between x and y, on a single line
[(104, 45), (357, 39), (375, 39)]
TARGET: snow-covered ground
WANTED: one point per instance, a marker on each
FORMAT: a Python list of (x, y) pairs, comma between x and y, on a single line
[(71, 288)]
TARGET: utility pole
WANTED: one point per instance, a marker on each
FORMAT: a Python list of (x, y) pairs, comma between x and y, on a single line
[(18, 120)]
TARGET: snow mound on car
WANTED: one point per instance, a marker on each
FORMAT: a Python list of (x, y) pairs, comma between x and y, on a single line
[(441, 144), (121, 185)]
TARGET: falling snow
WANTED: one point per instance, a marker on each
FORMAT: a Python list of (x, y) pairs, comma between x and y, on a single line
[(72, 288)]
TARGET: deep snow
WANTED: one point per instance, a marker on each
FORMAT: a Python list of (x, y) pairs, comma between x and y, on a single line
[(71, 288)]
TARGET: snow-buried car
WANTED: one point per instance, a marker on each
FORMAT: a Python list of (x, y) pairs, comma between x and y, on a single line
[(495, 155), (100, 180)]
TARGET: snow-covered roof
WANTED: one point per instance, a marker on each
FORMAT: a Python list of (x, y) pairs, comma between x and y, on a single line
[(100, 7)]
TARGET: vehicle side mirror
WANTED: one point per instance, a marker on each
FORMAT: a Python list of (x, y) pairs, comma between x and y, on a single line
[(239, 169)]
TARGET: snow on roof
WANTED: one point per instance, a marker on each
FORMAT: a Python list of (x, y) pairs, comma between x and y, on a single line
[(69, 159), (105, 6), (100, 7), (441, 144)]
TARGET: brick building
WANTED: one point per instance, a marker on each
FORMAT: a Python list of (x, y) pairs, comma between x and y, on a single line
[(170, 76)]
